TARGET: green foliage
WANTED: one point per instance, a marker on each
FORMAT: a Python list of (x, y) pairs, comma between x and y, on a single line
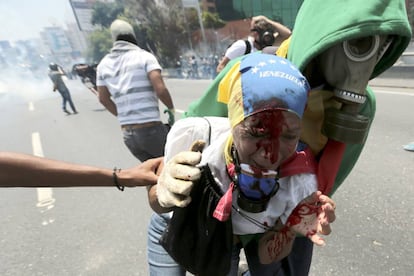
[(212, 20), (104, 13), (100, 43), (161, 24), (162, 27)]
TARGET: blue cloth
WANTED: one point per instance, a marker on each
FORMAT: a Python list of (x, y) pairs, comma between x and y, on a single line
[(409, 147)]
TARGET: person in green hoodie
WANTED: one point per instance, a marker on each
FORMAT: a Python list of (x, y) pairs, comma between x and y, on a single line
[(338, 49)]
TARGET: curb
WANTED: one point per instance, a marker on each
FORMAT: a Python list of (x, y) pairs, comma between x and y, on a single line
[(394, 83)]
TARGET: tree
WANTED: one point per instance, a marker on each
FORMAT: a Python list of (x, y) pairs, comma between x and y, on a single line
[(163, 24), (162, 27), (100, 42), (212, 20), (104, 14)]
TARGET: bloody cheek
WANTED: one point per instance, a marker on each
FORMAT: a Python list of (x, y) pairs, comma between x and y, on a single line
[(271, 123)]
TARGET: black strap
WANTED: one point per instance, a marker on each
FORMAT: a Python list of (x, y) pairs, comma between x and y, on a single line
[(248, 47), (209, 130)]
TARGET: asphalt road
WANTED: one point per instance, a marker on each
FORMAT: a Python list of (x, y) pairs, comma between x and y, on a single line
[(101, 231)]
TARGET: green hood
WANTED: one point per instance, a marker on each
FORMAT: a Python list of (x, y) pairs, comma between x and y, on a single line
[(320, 24)]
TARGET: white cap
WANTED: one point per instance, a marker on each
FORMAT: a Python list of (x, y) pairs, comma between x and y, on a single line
[(121, 27)]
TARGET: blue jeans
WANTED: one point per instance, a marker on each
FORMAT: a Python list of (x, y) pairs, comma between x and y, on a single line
[(147, 142), (66, 98), (160, 263)]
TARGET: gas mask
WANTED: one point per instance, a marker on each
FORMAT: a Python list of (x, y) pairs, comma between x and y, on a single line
[(266, 37), (255, 187), (347, 68)]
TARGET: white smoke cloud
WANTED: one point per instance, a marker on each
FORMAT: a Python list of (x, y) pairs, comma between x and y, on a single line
[(19, 85)]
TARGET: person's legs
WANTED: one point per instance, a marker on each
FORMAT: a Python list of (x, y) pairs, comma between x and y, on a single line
[(69, 99), (299, 260), (64, 101), (159, 261), (235, 259), (146, 143)]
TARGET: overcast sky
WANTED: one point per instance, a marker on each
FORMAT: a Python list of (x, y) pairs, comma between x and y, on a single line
[(24, 19)]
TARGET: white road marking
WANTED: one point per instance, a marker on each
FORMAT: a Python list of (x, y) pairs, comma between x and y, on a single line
[(45, 198), (31, 106), (410, 94)]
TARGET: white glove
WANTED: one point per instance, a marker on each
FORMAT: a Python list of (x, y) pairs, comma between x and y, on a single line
[(176, 180)]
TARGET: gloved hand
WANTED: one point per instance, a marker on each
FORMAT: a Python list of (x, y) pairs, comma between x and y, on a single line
[(176, 179), (171, 116)]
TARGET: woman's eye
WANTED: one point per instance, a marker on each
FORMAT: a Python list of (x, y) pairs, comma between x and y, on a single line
[(258, 133), (290, 136)]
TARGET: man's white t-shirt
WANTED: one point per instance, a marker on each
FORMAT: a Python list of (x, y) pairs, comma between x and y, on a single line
[(238, 48)]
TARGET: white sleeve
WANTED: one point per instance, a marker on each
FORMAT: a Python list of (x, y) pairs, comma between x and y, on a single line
[(183, 133), (237, 49), (302, 186), (151, 62)]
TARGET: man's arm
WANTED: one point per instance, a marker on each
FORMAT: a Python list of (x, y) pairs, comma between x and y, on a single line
[(105, 99), (222, 64), (160, 88), (283, 31), (54, 81), (22, 170)]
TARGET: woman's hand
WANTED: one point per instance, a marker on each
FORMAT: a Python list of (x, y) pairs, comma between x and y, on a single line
[(312, 217)]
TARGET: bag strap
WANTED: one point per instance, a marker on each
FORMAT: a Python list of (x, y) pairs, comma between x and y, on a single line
[(248, 47), (209, 131)]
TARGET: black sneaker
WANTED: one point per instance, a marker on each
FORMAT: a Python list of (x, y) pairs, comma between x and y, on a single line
[(67, 112)]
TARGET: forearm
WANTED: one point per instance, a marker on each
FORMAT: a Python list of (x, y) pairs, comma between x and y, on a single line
[(110, 106), (104, 97), (21, 170), (165, 98), (283, 31), (222, 64), (275, 245), (153, 201), (160, 88)]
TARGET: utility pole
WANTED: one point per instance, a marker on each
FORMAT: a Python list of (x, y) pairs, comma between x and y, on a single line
[(195, 4)]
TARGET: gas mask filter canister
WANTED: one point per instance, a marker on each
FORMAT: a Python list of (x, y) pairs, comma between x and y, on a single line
[(347, 68)]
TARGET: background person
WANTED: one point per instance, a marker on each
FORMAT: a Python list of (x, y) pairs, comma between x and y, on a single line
[(263, 32), (87, 74), (55, 76), (129, 84)]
